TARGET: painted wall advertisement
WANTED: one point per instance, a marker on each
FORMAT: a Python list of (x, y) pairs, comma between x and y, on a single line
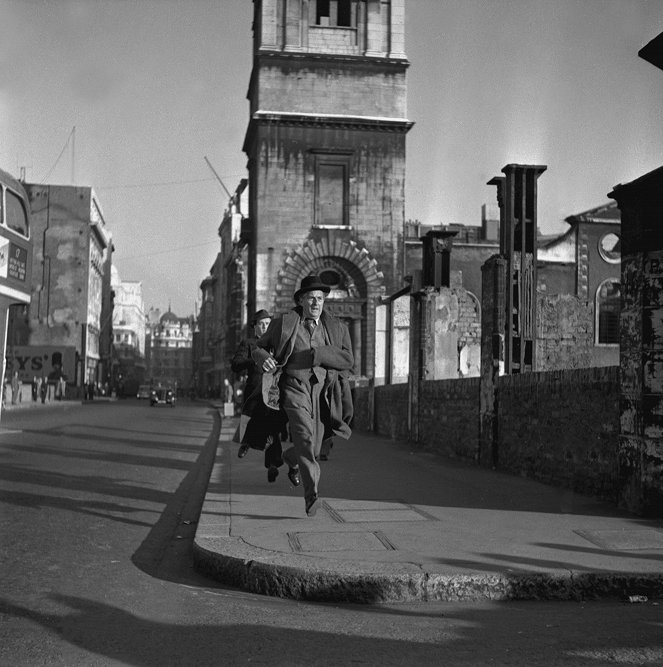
[(47, 361)]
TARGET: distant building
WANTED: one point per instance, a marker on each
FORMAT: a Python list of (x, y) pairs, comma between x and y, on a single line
[(128, 333), (472, 246), (169, 346), (585, 262), (68, 320), (222, 318), (578, 294)]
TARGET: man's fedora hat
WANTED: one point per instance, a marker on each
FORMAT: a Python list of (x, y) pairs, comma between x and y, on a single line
[(310, 284), (260, 315)]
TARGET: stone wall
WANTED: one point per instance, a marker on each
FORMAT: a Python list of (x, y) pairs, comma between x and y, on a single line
[(559, 427)]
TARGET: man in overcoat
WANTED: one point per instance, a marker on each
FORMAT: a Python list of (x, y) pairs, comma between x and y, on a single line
[(264, 432), (312, 351)]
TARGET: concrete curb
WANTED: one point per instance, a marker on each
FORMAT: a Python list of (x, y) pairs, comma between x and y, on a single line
[(237, 564)]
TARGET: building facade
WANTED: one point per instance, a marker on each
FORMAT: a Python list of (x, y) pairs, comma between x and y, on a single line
[(326, 156), (169, 343), (222, 319), (578, 287), (128, 333), (68, 319), (585, 262)]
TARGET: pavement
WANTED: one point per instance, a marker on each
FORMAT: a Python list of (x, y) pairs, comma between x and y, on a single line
[(400, 525)]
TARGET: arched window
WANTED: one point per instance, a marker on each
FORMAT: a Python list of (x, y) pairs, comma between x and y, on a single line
[(608, 307)]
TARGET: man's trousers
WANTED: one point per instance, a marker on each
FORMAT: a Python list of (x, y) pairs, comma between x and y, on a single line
[(300, 398)]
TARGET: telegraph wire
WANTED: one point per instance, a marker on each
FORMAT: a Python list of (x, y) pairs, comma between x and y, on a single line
[(165, 252), (66, 143), (151, 185), (161, 183)]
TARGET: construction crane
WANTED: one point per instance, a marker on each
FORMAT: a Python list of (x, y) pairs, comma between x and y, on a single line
[(218, 178)]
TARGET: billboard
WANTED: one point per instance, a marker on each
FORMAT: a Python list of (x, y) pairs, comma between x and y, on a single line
[(48, 361)]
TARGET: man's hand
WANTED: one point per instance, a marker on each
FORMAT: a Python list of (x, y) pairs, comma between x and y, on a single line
[(269, 365)]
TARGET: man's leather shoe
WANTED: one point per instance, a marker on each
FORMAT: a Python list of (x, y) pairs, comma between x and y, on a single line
[(293, 476), (272, 473), (312, 505), (242, 451)]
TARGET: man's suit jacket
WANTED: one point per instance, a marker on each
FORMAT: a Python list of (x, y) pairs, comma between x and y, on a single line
[(336, 358)]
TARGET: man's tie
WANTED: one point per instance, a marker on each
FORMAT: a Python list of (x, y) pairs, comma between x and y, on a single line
[(310, 325)]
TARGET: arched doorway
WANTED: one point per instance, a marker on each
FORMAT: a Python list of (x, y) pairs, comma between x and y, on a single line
[(354, 282)]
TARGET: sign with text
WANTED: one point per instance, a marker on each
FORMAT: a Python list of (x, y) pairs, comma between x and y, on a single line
[(4, 257), (18, 262), (47, 361), (15, 267)]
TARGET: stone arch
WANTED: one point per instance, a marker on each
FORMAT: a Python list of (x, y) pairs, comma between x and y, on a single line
[(353, 297), (356, 265)]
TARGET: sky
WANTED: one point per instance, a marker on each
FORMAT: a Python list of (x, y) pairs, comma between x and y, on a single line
[(130, 96)]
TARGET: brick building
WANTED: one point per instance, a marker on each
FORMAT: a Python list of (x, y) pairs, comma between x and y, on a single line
[(326, 156), (585, 263)]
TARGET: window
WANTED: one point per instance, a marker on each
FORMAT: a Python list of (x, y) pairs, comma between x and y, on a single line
[(610, 248), (16, 217), (608, 307), (331, 190), (334, 13)]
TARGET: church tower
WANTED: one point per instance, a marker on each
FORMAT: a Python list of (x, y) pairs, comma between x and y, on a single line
[(326, 156)]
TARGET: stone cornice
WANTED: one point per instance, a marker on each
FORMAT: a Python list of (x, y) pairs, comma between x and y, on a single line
[(370, 60), (335, 121)]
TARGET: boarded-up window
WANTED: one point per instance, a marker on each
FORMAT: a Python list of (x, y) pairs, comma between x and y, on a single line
[(608, 306), (331, 189)]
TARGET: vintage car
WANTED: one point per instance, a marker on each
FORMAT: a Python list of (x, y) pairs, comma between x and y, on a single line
[(144, 391), (162, 396)]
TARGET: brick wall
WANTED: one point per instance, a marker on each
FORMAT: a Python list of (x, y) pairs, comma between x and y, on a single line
[(564, 332), (560, 427), (449, 417), (391, 407)]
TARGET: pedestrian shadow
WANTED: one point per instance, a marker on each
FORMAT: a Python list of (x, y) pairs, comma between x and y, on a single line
[(166, 553), (115, 634), (565, 633)]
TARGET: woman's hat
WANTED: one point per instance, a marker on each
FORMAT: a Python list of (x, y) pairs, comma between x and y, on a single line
[(310, 284), (260, 315)]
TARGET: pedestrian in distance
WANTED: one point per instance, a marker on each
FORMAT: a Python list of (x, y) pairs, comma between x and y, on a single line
[(310, 354), (260, 428), (43, 389), (35, 389), (16, 388)]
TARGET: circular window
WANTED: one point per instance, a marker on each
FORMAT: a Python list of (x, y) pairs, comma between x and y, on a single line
[(610, 247), (330, 277)]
